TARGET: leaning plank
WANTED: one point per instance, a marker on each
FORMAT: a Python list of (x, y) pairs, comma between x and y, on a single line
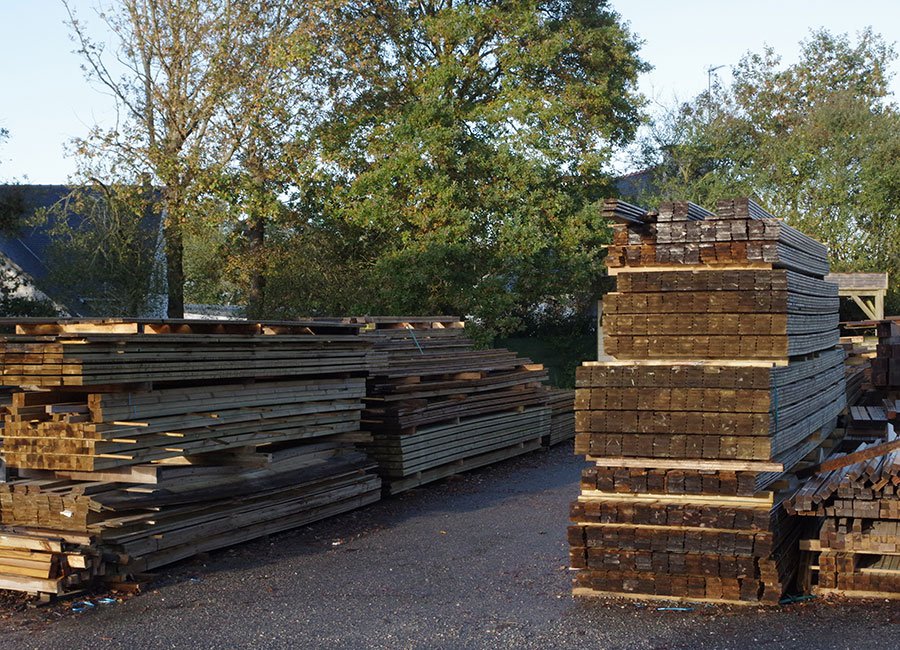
[(852, 458)]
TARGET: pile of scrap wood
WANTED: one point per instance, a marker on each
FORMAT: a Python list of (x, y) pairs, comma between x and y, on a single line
[(135, 444), (726, 377), (854, 502), (874, 379), (437, 406)]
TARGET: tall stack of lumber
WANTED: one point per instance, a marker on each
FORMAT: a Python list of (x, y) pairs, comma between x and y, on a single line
[(436, 406), (726, 376), (886, 364), (140, 443), (854, 501)]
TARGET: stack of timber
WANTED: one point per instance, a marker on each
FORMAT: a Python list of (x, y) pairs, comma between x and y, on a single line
[(726, 377), (886, 364), (683, 234), (865, 423), (207, 435), (562, 416), (436, 406), (858, 368), (854, 501)]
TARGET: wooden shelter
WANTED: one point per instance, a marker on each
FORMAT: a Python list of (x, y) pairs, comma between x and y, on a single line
[(859, 287)]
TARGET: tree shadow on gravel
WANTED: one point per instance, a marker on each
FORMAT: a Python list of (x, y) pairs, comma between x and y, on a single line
[(546, 479)]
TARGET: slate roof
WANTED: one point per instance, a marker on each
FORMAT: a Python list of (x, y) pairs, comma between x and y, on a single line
[(632, 186), (28, 249)]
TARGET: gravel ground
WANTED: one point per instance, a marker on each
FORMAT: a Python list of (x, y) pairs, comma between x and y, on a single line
[(477, 561)]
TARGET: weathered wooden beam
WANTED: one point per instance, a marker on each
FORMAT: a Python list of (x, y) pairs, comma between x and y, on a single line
[(851, 459)]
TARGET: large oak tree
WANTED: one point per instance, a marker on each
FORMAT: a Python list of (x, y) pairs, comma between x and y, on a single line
[(464, 147)]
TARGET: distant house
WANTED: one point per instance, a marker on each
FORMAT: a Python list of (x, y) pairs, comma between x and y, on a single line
[(25, 248), (632, 187)]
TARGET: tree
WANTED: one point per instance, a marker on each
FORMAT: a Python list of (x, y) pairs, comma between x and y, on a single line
[(817, 142), (12, 205), (264, 120), (179, 61), (464, 149), (213, 92)]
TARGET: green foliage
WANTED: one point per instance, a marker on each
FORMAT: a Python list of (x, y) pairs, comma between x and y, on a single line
[(265, 114), (463, 153), (439, 156), (561, 336), (103, 249), (816, 142), (207, 279)]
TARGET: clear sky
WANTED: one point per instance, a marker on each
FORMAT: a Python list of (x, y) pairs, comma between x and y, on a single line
[(46, 101)]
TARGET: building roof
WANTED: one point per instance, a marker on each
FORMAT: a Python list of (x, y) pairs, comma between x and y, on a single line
[(28, 249), (29, 245), (632, 186)]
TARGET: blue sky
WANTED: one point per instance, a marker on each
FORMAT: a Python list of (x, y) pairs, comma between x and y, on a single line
[(46, 101)]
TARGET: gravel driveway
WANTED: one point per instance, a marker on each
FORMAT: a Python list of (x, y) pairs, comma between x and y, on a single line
[(477, 561)]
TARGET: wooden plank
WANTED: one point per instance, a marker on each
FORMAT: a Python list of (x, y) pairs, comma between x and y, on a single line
[(30, 585), (691, 464), (764, 500), (586, 592), (851, 458), (10, 541), (727, 363)]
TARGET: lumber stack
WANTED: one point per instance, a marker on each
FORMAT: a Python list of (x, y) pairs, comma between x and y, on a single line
[(63, 354), (742, 233), (562, 416), (886, 364), (856, 507), (726, 377), (209, 434), (436, 406), (99, 431)]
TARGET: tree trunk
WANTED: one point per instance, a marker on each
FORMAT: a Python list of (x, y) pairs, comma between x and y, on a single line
[(174, 266), (256, 298)]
